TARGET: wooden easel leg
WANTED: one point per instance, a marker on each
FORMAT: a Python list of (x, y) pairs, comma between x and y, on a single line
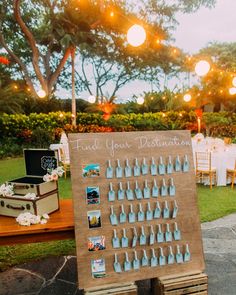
[(113, 289)]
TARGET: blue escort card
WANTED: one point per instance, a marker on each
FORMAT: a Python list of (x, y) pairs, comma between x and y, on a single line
[(160, 235), (169, 167), (121, 192), (155, 189), (157, 211), (144, 260), (168, 234), (119, 170), (152, 236), (141, 215), (161, 167), (137, 170), (186, 164), (177, 234), (135, 238), (179, 255), (111, 194), (154, 260), (163, 188), (113, 217), (153, 167), (123, 216), (162, 258), (144, 167), (171, 257), (115, 240), (124, 240), (177, 164), (117, 266), (172, 188), (166, 211), (149, 212), (175, 210), (136, 262), (132, 218), (138, 191), (128, 170), (127, 263), (187, 255), (142, 238), (146, 191), (129, 193), (109, 170)]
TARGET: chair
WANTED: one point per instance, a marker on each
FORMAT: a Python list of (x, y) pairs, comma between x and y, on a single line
[(204, 170), (65, 161), (231, 173)]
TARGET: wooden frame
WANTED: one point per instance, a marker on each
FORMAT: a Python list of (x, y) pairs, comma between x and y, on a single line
[(98, 149), (204, 167)]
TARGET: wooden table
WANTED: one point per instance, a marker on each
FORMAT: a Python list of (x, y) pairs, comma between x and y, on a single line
[(59, 227)]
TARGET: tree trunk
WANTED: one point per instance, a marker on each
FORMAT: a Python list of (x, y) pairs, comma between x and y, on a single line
[(73, 106)]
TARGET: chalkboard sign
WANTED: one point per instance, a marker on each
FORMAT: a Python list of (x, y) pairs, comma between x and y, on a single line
[(135, 206)]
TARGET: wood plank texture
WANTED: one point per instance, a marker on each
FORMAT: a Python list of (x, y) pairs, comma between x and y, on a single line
[(98, 149), (60, 226)]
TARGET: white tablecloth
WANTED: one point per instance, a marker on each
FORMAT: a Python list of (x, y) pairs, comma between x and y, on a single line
[(223, 156)]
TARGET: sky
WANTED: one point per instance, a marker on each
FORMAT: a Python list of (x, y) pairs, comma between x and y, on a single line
[(194, 32)]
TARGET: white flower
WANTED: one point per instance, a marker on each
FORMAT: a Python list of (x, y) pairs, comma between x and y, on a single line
[(54, 174), (28, 218), (6, 190), (45, 216)]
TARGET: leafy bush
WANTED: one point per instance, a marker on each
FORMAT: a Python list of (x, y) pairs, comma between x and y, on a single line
[(39, 130)]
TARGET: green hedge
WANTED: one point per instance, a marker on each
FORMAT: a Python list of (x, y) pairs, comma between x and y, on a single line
[(38, 130)]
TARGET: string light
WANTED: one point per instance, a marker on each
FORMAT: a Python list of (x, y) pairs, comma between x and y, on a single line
[(136, 35), (91, 99), (202, 68), (234, 82), (140, 100), (112, 14), (232, 91), (41, 93), (187, 97)]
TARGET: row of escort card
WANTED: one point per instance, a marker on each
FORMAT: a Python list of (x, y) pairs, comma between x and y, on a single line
[(171, 233), (153, 261), (143, 169), (163, 190), (140, 216)]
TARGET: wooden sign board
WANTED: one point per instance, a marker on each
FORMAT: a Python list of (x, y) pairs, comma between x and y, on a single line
[(94, 194)]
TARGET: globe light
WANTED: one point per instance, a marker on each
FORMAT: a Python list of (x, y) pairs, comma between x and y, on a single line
[(136, 35), (202, 68), (91, 99), (232, 91), (234, 81), (140, 100), (187, 97), (41, 93)]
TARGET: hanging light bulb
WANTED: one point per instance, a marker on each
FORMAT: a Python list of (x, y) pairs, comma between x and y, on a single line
[(187, 97), (41, 93), (91, 99), (234, 81), (202, 68), (140, 100), (136, 35), (232, 91)]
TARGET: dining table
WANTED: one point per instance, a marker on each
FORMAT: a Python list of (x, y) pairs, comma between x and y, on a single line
[(223, 155)]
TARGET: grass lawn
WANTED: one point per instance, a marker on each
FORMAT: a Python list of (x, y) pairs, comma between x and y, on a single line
[(215, 203)]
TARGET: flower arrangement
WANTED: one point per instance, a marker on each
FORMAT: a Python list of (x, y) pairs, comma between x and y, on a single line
[(28, 218), (6, 190), (53, 174)]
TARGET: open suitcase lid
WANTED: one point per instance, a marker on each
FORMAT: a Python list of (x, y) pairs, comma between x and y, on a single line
[(39, 161)]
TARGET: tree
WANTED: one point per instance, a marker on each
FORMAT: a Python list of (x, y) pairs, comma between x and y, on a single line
[(215, 85), (39, 36)]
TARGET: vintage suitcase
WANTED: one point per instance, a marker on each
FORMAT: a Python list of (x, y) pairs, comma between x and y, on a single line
[(37, 163)]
